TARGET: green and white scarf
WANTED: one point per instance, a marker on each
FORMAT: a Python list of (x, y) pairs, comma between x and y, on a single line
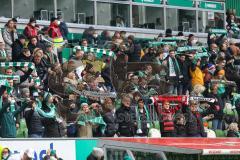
[(139, 122), (18, 64), (172, 69)]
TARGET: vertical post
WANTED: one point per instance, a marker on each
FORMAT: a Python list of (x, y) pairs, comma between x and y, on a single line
[(130, 14), (74, 9), (197, 24), (12, 8), (224, 14), (95, 12), (165, 14), (55, 7)]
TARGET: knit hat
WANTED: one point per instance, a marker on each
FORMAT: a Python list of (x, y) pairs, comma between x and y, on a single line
[(221, 72), (211, 68), (84, 104)]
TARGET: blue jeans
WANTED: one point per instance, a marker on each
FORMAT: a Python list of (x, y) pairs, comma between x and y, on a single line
[(216, 124), (35, 135)]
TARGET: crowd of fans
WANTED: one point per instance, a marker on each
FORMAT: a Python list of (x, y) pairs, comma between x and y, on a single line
[(116, 86)]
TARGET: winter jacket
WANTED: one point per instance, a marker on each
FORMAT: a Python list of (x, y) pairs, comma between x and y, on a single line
[(30, 31), (33, 120), (215, 108), (7, 120), (194, 124), (42, 69), (54, 31), (166, 119), (110, 120), (197, 76), (184, 69), (144, 122), (9, 38), (134, 53), (31, 47), (149, 57), (126, 120), (64, 30), (180, 130), (17, 49), (173, 79)]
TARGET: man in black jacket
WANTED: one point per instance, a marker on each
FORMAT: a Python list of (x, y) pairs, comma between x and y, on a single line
[(33, 120), (185, 80), (126, 118), (194, 123), (17, 47)]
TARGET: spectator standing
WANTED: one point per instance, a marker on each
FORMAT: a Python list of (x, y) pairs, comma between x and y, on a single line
[(17, 47), (126, 118), (109, 118), (3, 54), (174, 73), (194, 123), (31, 29), (134, 52), (9, 36), (63, 27), (143, 117)]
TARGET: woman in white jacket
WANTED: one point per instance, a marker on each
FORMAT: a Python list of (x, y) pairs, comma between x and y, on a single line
[(9, 35)]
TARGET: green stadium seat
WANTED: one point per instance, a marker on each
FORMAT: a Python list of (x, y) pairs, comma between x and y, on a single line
[(66, 53), (220, 133)]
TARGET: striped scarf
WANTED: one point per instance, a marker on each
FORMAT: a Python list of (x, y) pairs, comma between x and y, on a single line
[(18, 64), (14, 77), (99, 52), (139, 122)]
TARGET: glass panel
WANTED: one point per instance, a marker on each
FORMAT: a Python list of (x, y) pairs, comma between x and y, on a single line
[(84, 12), (65, 8), (148, 17), (113, 14), (181, 20), (207, 20), (25, 13), (5, 10), (44, 9)]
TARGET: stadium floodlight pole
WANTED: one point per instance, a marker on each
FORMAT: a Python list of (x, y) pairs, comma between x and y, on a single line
[(55, 8)]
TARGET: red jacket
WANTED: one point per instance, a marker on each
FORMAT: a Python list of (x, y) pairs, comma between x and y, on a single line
[(54, 31), (30, 31)]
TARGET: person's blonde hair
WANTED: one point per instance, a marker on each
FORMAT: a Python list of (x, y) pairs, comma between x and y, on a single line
[(198, 88), (233, 127)]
